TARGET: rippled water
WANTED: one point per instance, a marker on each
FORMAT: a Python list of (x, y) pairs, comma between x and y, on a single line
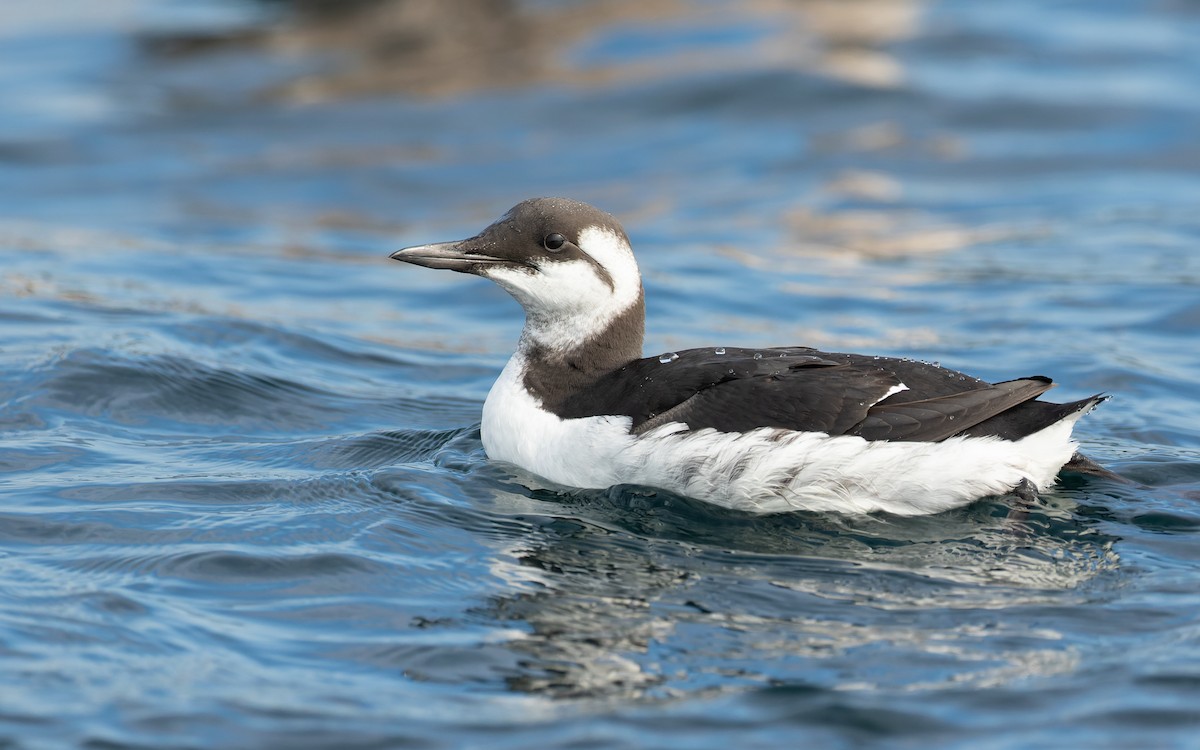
[(244, 501)]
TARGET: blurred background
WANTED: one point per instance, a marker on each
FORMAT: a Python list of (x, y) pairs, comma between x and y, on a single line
[(243, 501), (789, 134)]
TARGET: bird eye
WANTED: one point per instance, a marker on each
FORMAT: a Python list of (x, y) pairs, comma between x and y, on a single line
[(554, 242)]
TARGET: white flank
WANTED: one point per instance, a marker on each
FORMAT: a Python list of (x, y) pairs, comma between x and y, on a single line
[(766, 470)]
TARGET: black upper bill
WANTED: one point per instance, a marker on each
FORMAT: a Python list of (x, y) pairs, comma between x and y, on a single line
[(453, 256)]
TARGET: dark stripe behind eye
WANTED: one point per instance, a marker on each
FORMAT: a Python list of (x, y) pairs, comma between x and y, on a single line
[(601, 271)]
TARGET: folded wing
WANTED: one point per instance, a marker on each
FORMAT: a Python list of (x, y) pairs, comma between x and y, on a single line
[(737, 390)]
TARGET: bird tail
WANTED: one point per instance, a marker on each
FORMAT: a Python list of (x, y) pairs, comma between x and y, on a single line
[(1081, 464)]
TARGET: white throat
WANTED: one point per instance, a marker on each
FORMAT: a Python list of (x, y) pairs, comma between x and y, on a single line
[(566, 304)]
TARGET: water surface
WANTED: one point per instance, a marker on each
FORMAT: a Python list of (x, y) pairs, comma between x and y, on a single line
[(244, 502)]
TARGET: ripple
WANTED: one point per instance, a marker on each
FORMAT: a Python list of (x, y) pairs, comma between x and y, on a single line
[(1034, 548), (1184, 321), (15, 460), (273, 342), (1167, 523), (240, 567), (245, 502), (1163, 470), (159, 388), (369, 451)]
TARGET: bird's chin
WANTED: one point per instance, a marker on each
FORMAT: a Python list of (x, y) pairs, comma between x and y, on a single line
[(514, 278)]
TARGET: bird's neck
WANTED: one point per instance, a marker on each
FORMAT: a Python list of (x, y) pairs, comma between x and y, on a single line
[(557, 366)]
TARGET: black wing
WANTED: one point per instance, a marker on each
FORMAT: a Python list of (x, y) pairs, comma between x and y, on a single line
[(803, 389)]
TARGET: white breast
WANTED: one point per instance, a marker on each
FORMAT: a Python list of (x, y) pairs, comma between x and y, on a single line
[(766, 470), (575, 452)]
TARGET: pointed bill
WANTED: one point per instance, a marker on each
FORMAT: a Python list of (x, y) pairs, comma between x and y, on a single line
[(452, 256)]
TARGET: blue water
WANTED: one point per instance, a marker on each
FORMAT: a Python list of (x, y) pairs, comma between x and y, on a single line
[(243, 501)]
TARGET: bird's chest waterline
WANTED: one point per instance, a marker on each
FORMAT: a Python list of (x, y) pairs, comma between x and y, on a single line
[(577, 452)]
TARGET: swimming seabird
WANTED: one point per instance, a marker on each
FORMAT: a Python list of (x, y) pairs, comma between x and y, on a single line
[(760, 430)]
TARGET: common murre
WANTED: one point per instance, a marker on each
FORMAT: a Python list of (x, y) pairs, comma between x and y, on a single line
[(764, 430)]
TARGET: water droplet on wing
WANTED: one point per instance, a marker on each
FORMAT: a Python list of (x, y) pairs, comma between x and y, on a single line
[(668, 357)]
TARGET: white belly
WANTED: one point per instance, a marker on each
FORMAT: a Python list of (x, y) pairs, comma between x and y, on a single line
[(766, 470)]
